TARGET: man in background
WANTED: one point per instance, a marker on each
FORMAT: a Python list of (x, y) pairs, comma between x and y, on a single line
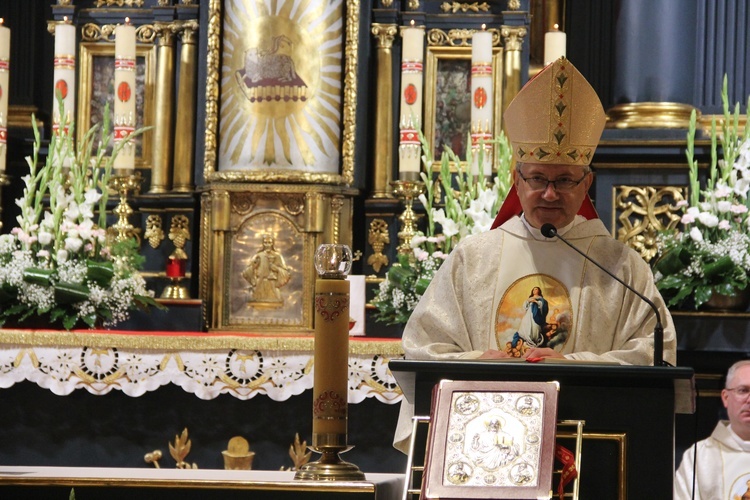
[(718, 467)]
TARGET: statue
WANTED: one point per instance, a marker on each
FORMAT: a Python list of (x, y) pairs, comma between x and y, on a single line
[(266, 274)]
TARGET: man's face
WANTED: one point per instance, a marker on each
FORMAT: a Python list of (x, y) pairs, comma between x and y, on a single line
[(738, 408), (550, 204)]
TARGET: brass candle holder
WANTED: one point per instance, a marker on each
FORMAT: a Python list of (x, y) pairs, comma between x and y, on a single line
[(123, 229), (4, 181), (179, 233), (331, 368), (407, 191)]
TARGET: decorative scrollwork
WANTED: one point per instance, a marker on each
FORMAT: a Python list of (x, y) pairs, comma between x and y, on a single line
[(643, 212), (119, 3), (91, 32), (243, 203), (457, 37), (294, 204), (454, 7)]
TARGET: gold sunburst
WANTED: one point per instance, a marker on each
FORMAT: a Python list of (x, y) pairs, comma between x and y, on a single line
[(281, 80)]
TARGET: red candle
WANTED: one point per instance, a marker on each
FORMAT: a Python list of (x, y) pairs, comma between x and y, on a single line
[(175, 268)]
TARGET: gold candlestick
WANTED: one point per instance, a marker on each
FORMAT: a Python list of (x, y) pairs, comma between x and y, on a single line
[(331, 368), (123, 229), (4, 181), (407, 191)]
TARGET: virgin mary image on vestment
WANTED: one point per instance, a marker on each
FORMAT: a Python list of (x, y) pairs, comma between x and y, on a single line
[(534, 312)]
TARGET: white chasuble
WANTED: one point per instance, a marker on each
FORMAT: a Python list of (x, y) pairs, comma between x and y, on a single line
[(723, 468), (511, 288)]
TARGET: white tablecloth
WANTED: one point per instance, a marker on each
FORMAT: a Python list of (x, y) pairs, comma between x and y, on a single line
[(203, 364)]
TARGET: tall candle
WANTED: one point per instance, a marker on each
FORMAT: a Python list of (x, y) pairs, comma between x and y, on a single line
[(331, 360), (124, 119), (4, 77), (481, 100), (64, 74), (554, 45), (410, 122)]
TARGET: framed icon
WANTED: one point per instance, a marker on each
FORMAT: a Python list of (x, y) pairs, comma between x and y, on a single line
[(491, 439)]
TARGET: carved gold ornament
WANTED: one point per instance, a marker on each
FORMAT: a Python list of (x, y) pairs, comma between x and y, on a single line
[(154, 233), (179, 234), (643, 212), (454, 7), (378, 238)]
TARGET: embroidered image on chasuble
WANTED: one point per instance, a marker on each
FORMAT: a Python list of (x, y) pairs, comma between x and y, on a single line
[(534, 311)]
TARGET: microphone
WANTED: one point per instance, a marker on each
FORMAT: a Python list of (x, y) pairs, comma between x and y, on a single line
[(550, 231)]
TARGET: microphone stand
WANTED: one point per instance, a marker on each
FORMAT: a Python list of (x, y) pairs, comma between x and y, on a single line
[(550, 231)]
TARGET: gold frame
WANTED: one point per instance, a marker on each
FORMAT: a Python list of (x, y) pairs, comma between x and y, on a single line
[(146, 55), (436, 55), (350, 35), (620, 438)]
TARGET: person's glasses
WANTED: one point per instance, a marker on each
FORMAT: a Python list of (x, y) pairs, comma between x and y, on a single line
[(740, 393), (538, 183)]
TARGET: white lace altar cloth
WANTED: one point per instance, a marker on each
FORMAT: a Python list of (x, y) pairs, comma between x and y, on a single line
[(206, 365)]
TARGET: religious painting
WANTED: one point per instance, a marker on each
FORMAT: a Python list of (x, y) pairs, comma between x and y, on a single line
[(287, 90), (535, 311), (96, 92), (448, 98), (491, 440)]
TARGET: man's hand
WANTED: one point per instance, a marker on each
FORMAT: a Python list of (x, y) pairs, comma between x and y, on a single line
[(542, 352), (493, 354)]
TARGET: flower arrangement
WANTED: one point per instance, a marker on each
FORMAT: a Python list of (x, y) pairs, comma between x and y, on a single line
[(457, 206), (59, 262), (712, 254)]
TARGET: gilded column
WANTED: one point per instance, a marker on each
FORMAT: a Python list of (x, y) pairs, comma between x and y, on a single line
[(162, 151), (383, 173), (184, 134), (220, 226), (513, 42)]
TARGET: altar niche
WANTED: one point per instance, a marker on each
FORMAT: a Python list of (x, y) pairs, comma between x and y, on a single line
[(257, 247)]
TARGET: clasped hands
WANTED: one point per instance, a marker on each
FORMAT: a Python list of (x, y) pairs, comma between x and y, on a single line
[(531, 355)]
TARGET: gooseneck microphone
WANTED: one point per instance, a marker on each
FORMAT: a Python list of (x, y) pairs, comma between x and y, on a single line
[(550, 231)]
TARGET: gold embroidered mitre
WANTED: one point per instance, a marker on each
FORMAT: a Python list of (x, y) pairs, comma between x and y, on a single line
[(555, 118)]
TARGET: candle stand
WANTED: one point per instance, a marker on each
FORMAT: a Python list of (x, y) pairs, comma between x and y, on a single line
[(331, 368), (179, 234), (407, 191), (123, 229), (4, 181)]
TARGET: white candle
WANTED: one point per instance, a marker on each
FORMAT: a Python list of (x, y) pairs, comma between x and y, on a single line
[(481, 100), (64, 78), (4, 77), (554, 45), (124, 117), (412, 64)]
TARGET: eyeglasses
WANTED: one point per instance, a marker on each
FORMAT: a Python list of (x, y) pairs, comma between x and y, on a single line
[(740, 393), (538, 183)]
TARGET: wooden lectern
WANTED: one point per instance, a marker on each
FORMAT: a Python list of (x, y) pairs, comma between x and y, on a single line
[(628, 445)]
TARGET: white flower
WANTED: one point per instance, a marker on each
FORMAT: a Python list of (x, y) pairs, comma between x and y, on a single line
[(696, 234), (417, 240), (73, 244), (45, 238), (724, 225), (92, 196), (421, 254), (723, 206), (62, 255), (708, 219)]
